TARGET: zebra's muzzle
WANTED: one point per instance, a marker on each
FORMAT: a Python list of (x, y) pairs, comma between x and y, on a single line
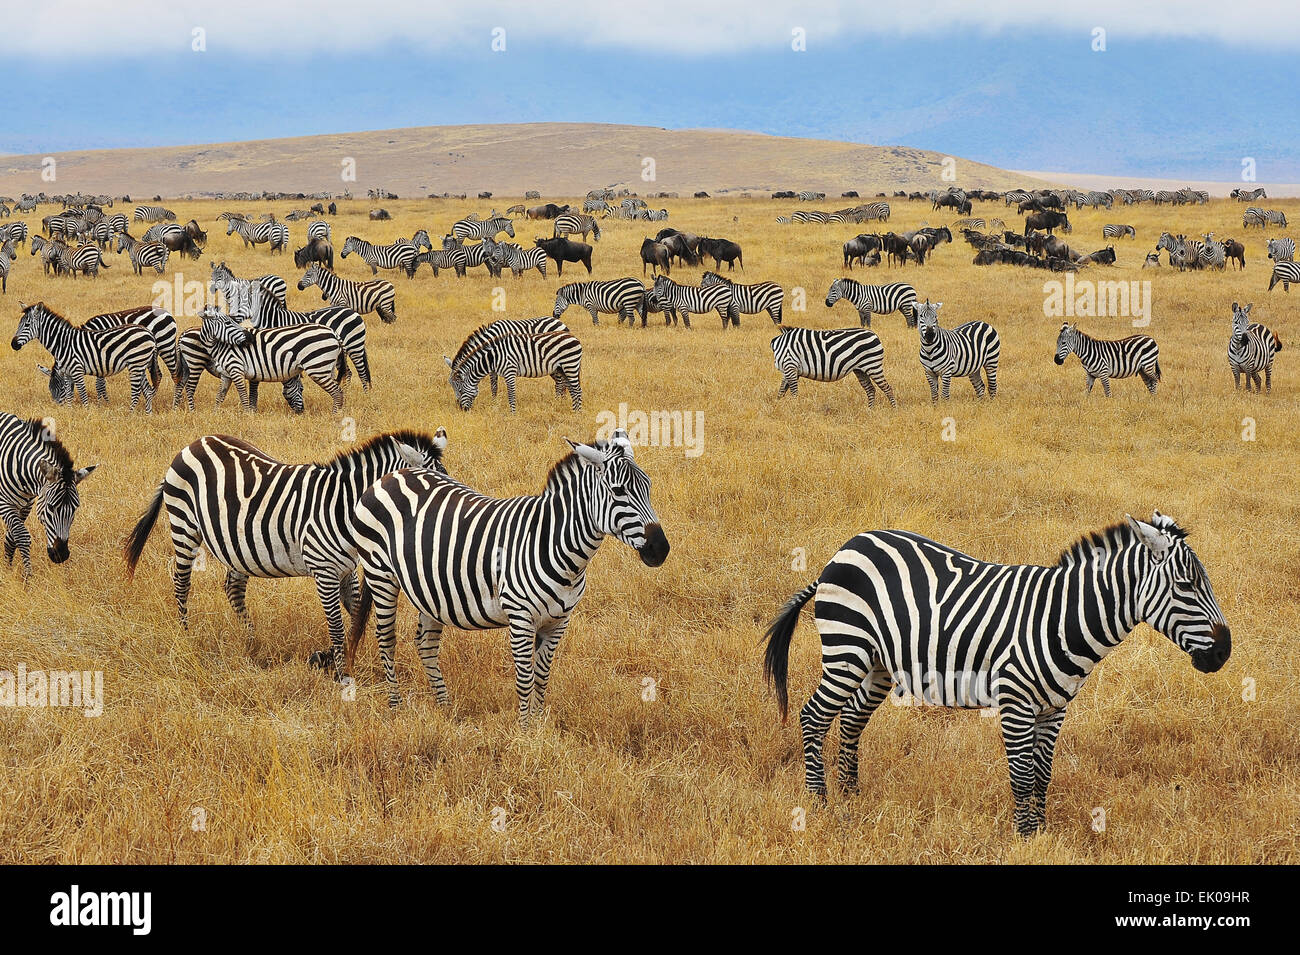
[(1058, 359), (1213, 658), (655, 549), (14, 344), (58, 553)]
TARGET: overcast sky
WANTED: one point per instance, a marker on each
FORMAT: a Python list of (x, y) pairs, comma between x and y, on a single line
[(1170, 89)]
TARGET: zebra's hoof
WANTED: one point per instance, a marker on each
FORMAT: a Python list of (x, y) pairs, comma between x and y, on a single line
[(321, 659)]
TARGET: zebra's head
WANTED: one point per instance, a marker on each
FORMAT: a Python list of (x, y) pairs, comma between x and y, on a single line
[(1064, 343), (1240, 322), (61, 387), (58, 499), (509, 228), (219, 327), (310, 277), (618, 496), (1175, 597), (565, 296), (836, 292), (927, 319), (349, 246), (30, 324), (465, 377)]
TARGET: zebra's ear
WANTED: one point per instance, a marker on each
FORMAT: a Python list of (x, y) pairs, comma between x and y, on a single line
[(1248, 307), (1155, 541), (447, 360), (588, 454), (410, 455), (43, 370), (83, 473), (48, 470)]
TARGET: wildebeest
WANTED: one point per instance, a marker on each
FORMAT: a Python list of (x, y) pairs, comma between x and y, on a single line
[(317, 250), (1232, 249), (1152, 260), (859, 247), (654, 254), (565, 250), (1048, 221), (318, 208), (195, 231), (332, 209), (380, 214), (181, 243), (722, 250), (1104, 256), (679, 247), (548, 210)]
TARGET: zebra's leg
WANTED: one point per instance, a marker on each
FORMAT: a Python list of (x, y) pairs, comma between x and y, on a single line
[(1268, 377), (101, 389), (493, 382), (977, 380), (575, 390), (328, 589), (428, 638), (1018, 737), (79, 384), (236, 587), (241, 386), (1236, 380), (1105, 385), (884, 386), (1091, 380), (686, 318), (840, 680), (991, 370), (548, 639), (854, 719), (185, 545), (865, 381), (523, 639), (331, 387), (17, 537), (789, 381), (293, 394), (561, 386), (933, 379), (865, 315), (946, 386), (1046, 728), (510, 389), (595, 320), (384, 591)]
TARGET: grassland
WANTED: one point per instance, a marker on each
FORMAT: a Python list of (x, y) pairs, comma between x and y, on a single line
[(1187, 767)]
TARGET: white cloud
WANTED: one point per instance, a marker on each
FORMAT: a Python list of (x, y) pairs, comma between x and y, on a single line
[(680, 26)]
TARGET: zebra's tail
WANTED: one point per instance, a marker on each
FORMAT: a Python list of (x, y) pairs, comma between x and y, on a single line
[(133, 546), (365, 603), (1158, 375), (776, 659), (1277, 342), (155, 371)]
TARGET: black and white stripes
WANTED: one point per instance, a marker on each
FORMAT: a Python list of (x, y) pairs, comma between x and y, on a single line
[(1251, 349), (36, 470), (1103, 359), (828, 355), (970, 350), (875, 299)]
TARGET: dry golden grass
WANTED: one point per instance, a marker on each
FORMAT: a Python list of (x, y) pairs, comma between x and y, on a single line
[(288, 771)]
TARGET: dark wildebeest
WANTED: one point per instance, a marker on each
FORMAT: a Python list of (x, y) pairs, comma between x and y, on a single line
[(317, 250), (548, 210), (895, 248), (194, 231), (332, 209), (858, 247), (655, 255), (1232, 249), (722, 250), (679, 248), (1104, 256), (1054, 247), (181, 243), (1032, 204), (379, 214), (318, 208), (565, 250), (1048, 221)]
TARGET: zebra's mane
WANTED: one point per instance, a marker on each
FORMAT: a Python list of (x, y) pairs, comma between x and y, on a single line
[(466, 348), (419, 440), (1082, 550), (48, 311), (52, 447)]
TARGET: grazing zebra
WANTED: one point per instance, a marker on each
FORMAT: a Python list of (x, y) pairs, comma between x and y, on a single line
[(828, 355), (194, 357), (1263, 218), (1118, 232), (807, 195), (571, 223), (547, 355), (1251, 350), (967, 350), (163, 231), (243, 295), (377, 295), (510, 326), (1104, 360), (453, 258), (677, 299), (897, 610), (595, 205), (874, 210), (239, 355), (518, 259), (399, 255), (143, 255), (1165, 195), (65, 260), (622, 297), (475, 255), (1247, 195), (37, 470), (480, 563), (253, 233), (875, 299), (346, 323), (160, 325), (260, 517), (6, 263), (750, 299), (1281, 250), (1138, 196), (483, 228), (154, 214), (1286, 273), (320, 229), (98, 353)]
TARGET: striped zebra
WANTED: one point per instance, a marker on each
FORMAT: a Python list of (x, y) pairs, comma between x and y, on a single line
[(143, 255), (260, 517), (595, 205), (239, 355), (807, 195), (511, 326), (874, 210), (1184, 253), (556, 355), (320, 229), (154, 214), (1263, 218), (194, 357), (36, 470), (875, 299), (253, 233), (483, 228), (454, 258), (62, 259), (675, 299), (750, 299), (479, 563), (1212, 253), (82, 352), (343, 320), (571, 223), (1139, 196), (1016, 196), (897, 611), (518, 259), (1103, 360), (970, 350), (1163, 196), (377, 295), (160, 325), (162, 231), (1251, 349), (622, 297), (399, 255), (1281, 250), (828, 355), (1118, 232), (242, 294), (1248, 195), (15, 232), (1286, 273), (6, 263)]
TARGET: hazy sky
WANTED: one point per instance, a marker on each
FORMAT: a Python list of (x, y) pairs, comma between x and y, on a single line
[(1183, 90)]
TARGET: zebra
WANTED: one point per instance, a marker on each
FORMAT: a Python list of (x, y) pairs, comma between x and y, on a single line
[(194, 357), (239, 354), (518, 259), (1281, 250), (828, 355), (967, 350), (454, 258), (65, 260), (1118, 232), (399, 255), (243, 295), (897, 610), (1263, 218), (320, 229), (254, 233), (160, 325), (511, 326), (474, 255), (345, 321), (1102, 359), (1016, 196), (166, 230), (595, 205), (1184, 253), (1286, 273), (1165, 195), (1139, 196), (143, 255), (483, 228), (1247, 195), (1251, 349), (874, 210), (623, 297), (544, 355), (675, 298), (571, 223), (99, 353), (807, 195), (489, 562), (875, 299), (15, 232), (750, 299), (154, 214), (1212, 254), (6, 263), (377, 295), (37, 470), (260, 517)]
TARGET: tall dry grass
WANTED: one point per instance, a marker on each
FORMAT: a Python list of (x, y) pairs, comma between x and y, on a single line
[(286, 770)]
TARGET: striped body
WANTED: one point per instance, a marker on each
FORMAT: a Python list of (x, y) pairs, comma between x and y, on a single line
[(1251, 349), (36, 471), (377, 295), (556, 355), (160, 325), (1103, 359), (875, 299), (622, 297), (1286, 273), (518, 259), (399, 255), (828, 355), (571, 223), (1281, 250), (750, 299), (239, 354), (675, 299), (483, 228), (970, 350), (1118, 231), (153, 214), (143, 255)]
